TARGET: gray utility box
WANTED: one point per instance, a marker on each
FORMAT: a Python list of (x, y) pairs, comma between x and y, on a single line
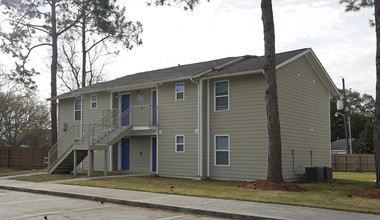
[(315, 173)]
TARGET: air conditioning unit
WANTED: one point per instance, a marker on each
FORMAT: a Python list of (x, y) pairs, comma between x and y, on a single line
[(315, 173), (328, 174)]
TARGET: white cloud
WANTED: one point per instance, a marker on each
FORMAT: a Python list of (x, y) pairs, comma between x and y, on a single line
[(343, 42)]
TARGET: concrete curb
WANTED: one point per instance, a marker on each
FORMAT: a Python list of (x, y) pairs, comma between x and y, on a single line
[(139, 204)]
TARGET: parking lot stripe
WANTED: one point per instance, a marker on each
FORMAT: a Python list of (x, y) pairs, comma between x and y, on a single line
[(174, 217), (34, 200), (60, 212)]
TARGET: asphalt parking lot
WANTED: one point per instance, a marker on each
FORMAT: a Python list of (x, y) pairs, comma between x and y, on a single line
[(21, 205)]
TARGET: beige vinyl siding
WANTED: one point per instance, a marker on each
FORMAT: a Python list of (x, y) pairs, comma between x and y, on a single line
[(142, 115), (245, 123), (115, 157), (178, 118), (94, 115), (91, 116), (66, 115), (98, 161), (304, 117)]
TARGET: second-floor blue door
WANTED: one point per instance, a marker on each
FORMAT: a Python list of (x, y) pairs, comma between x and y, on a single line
[(154, 107), (125, 106)]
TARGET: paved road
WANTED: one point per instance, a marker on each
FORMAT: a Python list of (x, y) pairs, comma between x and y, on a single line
[(21, 205)]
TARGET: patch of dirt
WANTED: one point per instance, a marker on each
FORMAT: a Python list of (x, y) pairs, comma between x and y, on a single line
[(371, 193), (269, 186)]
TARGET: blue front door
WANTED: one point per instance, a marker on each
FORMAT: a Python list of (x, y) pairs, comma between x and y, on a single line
[(125, 105), (125, 154), (154, 107), (154, 154)]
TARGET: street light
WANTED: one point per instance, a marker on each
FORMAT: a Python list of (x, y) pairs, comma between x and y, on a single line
[(349, 126)]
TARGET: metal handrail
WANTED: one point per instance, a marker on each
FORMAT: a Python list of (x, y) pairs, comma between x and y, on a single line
[(105, 127), (104, 130), (53, 152)]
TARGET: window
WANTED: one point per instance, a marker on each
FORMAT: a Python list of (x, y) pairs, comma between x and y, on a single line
[(221, 96), (140, 97), (179, 91), (94, 101), (180, 143), (77, 110), (222, 150)]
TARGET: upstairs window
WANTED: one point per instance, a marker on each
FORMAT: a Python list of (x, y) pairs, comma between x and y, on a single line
[(179, 91), (180, 143), (222, 150), (222, 96), (77, 110), (94, 101)]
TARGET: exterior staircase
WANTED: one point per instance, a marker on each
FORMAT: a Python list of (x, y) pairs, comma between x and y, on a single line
[(100, 135)]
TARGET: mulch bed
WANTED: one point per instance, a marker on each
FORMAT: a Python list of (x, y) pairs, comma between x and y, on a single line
[(269, 186), (371, 193)]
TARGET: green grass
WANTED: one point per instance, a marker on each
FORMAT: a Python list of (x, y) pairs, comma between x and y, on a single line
[(10, 172), (54, 177), (331, 195), (44, 177)]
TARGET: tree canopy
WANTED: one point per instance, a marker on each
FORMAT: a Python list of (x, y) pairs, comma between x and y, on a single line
[(362, 110)]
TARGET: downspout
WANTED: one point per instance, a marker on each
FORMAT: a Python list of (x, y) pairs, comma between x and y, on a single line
[(199, 129), (158, 131), (81, 118), (110, 150), (208, 128)]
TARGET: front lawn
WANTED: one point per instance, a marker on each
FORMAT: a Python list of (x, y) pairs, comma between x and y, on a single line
[(11, 172), (54, 177), (331, 195)]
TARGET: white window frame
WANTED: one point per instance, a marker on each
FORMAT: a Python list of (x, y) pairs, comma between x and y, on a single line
[(229, 150), (180, 135), (96, 101), (175, 91), (78, 110), (228, 95)]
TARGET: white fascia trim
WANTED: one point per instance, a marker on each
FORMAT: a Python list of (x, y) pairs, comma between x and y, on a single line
[(292, 59), (140, 128), (324, 71), (323, 82)]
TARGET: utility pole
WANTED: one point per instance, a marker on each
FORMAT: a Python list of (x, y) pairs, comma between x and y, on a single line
[(345, 118)]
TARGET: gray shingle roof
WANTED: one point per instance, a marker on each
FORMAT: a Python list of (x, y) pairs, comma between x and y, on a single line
[(341, 144), (214, 67), (257, 63)]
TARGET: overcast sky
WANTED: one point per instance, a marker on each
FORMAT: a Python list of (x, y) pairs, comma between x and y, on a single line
[(343, 42)]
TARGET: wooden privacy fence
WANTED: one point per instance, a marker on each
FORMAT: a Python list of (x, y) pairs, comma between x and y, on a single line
[(23, 158), (352, 162)]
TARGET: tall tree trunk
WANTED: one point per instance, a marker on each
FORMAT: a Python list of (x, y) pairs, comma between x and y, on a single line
[(376, 127), (274, 173), (84, 48), (53, 102)]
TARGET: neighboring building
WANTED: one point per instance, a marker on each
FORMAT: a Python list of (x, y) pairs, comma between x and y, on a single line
[(339, 146), (202, 120)]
